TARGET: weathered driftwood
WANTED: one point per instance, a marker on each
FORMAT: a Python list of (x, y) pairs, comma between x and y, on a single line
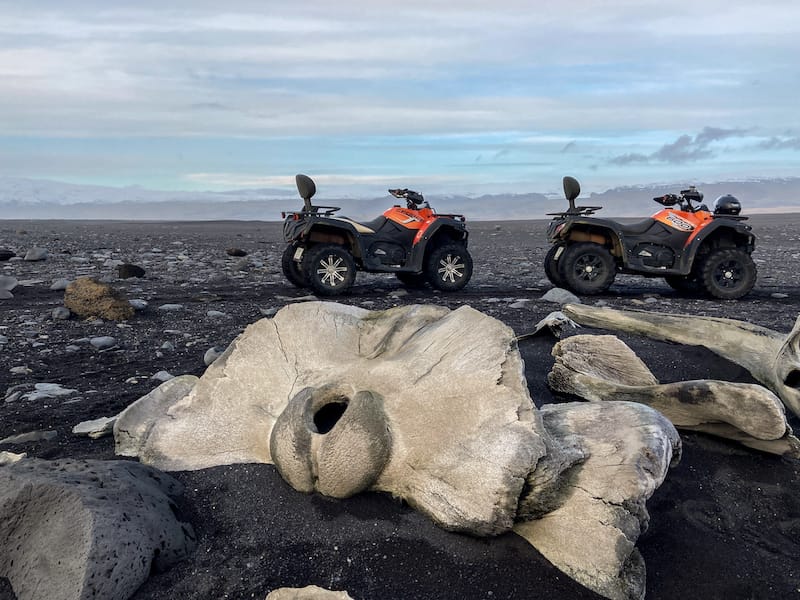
[(603, 367), (772, 358), (554, 323)]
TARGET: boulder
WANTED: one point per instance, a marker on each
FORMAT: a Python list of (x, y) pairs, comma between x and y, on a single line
[(86, 298), (74, 529)]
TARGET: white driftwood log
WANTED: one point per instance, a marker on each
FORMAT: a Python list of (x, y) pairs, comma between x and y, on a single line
[(603, 367), (772, 358)]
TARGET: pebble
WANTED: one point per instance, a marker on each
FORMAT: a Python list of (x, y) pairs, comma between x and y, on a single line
[(8, 283), (23, 370), (779, 295), (42, 391), (35, 254), (270, 311), (212, 354), (561, 296), (9, 458), (168, 346), (60, 284), (171, 307), (3, 340), (102, 342), (61, 313), (138, 304), (96, 428), (216, 314), (162, 376)]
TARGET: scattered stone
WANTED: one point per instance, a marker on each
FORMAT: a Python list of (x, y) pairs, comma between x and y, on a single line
[(162, 376), (126, 271), (269, 311), (138, 304), (22, 370), (399, 293), (6, 254), (519, 304), (95, 428), (35, 254), (171, 307), (779, 295), (3, 340), (7, 282), (72, 348), (212, 354), (89, 298), (42, 391), (561, 296), (168, 346), (31, 436), (87, 528), (216, 314), (235, 252), (61, 313), (103, 342), (60, 284)]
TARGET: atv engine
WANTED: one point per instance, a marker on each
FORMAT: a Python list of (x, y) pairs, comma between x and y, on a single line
[(654, 255), (388, 253)]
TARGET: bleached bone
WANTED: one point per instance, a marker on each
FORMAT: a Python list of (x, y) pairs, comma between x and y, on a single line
[(603, 367), (554, 323), (773, 358)]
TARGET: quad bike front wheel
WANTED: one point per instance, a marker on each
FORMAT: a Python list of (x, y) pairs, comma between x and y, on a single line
[(728, 273), (551, 265), (448, 268), (587, 268), (330, 269), (292, 269)]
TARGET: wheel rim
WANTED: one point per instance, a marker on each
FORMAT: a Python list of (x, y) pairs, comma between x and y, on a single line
[(728, 274), (450, 267), (588, 267), (331, 270)]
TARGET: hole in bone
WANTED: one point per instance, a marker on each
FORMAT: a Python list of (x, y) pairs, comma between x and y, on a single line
[(793, 379), (327, 416)]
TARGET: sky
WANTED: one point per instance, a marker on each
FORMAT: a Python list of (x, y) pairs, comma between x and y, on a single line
[(443, 97)]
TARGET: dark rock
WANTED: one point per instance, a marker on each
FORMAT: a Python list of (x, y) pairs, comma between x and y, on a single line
[(5, 254), (126, 271), (87, 528), (235, 252)]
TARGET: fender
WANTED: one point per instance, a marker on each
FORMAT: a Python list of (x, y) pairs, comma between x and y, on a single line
[(686, 259), (460, 233)]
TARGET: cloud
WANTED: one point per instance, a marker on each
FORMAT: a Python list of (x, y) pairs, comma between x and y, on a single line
[(684, 149), (781, 143)]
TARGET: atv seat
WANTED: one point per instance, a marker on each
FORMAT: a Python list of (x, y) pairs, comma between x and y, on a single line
[(635, 228), (368, 227)]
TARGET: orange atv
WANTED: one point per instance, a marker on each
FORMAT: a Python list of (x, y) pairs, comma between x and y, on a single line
[(324, 251), (689, 246)]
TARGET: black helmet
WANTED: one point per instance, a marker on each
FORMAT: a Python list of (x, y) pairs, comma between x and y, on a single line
[(727, 205)]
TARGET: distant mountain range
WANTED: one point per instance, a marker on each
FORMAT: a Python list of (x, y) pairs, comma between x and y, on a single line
[(42, 199)]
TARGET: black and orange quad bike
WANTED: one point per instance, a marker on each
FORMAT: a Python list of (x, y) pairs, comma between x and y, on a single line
[(691, 247), (419, 246)]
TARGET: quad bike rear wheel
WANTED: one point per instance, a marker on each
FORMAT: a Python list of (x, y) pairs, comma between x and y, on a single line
[(587, 268), (551, 266), (292, 269), (448, 268), (330, 269), (728, 273)]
